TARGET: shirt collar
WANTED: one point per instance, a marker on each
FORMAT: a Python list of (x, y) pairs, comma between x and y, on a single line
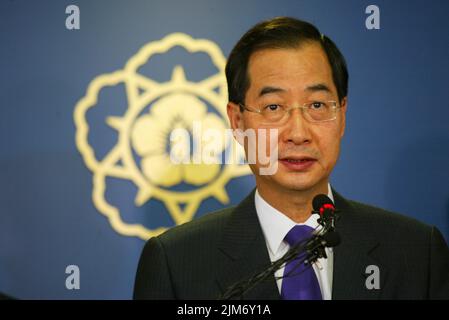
[(275, 225)]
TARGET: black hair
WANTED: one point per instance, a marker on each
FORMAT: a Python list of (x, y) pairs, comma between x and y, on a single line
[(277, 33)]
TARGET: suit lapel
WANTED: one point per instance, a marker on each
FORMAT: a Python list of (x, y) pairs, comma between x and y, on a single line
[(354, 254), (243, 252)]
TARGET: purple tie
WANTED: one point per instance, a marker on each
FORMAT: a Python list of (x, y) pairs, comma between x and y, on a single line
[(299, 282)]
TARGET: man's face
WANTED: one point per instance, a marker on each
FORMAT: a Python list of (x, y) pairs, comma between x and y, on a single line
[(307, 151)]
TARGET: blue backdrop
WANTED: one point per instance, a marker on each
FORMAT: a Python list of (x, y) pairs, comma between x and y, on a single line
[(395, 153)]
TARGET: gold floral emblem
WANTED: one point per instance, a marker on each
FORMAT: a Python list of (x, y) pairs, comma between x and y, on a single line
[(153, 111)]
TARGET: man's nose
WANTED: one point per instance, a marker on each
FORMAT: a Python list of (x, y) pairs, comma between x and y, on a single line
[(297, 128)]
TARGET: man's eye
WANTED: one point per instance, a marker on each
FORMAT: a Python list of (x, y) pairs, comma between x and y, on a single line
[(317, 105), (273, 107)]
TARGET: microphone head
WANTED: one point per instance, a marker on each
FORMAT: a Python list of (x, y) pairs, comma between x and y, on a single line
[(320, 201), (323, 205), (332, 238)]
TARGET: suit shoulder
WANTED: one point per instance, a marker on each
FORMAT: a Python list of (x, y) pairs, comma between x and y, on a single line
[(379, 217), (205, 228)]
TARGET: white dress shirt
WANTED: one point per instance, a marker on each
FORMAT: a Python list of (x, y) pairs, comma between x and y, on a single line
[(276, 225)]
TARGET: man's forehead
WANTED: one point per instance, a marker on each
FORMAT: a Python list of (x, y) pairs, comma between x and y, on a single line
[(306, 55), (277, 71)]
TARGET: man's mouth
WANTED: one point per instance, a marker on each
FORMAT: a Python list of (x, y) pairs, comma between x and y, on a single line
[(298, 163), (297, 160)]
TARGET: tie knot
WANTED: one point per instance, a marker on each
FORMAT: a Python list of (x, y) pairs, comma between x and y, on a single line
[(298, 234)]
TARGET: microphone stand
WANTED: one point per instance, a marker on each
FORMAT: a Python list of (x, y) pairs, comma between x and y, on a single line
[(240, 288)]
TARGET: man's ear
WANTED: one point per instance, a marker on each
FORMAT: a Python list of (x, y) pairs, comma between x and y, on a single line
[(344, 103), (235, 116)]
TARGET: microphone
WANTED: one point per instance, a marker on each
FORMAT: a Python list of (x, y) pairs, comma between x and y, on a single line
[(315, 248), (324, 206), (332, 239)]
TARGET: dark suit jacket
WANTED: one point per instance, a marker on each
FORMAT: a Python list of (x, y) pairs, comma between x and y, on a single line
[(202, 258)]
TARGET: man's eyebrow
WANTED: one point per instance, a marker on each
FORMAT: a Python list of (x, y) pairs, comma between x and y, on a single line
[(312, 88), (318, 87), (268, 90)]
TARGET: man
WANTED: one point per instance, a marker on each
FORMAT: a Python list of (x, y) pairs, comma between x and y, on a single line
[(284, 75)]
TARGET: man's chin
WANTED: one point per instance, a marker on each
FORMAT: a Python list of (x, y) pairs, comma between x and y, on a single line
[(300, 182), (295, 185)]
